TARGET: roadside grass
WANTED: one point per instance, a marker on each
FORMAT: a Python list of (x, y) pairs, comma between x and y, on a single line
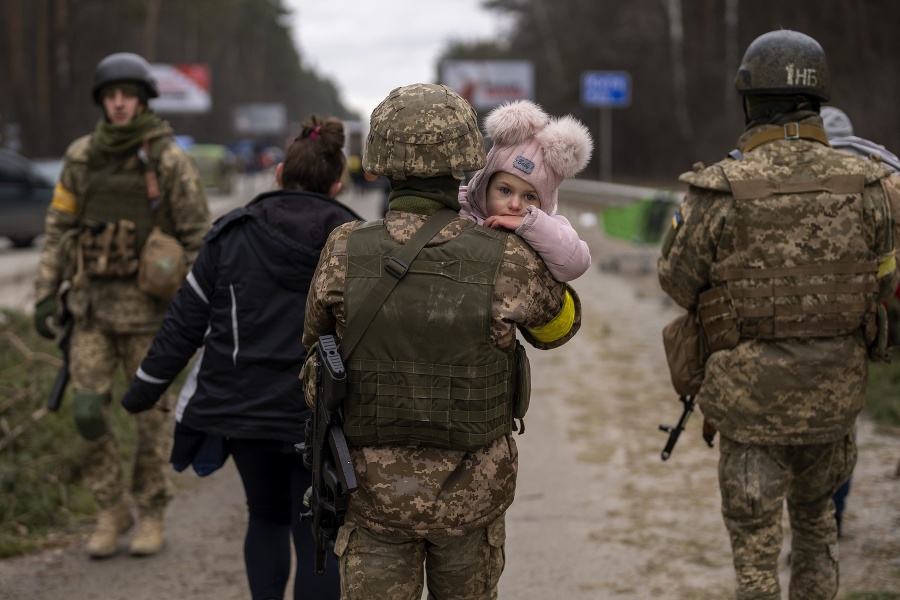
[(883, 393), (42, 497)]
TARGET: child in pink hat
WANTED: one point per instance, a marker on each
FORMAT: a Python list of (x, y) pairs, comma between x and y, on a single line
[(518, 187)]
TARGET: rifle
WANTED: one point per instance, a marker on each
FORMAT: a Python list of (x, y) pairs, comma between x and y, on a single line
[(326, 453), (675, 432), (62, 376)]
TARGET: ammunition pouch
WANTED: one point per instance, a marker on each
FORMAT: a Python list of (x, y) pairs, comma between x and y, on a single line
[(107, 249), (718, 319), (521, 381), (162, 266), (686, 353)]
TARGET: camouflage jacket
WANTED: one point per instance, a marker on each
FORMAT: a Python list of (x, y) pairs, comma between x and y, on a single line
[(781, 390), (116, 304), (429, 491)]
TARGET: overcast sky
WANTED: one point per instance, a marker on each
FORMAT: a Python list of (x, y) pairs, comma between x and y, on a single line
[(369, 47)]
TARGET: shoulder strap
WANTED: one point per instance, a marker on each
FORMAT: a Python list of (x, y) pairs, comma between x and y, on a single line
[(789, 131), (396, 267)]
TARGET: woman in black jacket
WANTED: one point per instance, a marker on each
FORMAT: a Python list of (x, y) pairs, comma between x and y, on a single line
[(243, 305)]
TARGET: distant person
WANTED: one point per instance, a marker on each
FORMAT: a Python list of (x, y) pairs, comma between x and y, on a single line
[(518, 189), (839, 129), (840, 135), (243, 307), (432, 382), (784, 249), (126, 221)]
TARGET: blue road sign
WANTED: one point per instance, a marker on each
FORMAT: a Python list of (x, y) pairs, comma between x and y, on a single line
[(608, 89)]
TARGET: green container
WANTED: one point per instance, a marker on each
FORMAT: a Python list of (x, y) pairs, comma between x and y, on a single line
[(643, 222)]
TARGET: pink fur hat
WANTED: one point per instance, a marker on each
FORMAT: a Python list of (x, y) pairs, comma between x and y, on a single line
[(534, 147)]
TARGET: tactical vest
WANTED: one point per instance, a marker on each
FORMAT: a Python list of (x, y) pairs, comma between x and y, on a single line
[(116, 215), (426, 372), (801, 266)]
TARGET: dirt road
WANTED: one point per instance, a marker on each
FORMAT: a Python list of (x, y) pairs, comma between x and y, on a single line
[(597, 513)]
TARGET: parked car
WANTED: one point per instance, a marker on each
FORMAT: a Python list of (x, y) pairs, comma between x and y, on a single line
[(25, 195), (217, 166)]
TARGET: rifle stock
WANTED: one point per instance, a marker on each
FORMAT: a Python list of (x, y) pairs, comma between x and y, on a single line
[(326, 452)]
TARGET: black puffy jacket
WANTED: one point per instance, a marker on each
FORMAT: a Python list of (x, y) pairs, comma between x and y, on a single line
[(243, 306)]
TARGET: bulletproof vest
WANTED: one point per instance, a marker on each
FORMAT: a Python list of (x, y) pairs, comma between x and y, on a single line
[(795, 263), (426, 372), (116, 214)]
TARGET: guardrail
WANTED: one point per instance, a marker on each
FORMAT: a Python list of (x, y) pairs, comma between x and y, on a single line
[(605, 193)]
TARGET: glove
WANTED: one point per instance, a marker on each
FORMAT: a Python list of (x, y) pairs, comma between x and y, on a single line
[(44, 310), (138, 400)]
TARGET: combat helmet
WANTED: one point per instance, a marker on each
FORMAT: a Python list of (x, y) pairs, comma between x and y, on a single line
[(423, 130), (784, 62), (124, 67)]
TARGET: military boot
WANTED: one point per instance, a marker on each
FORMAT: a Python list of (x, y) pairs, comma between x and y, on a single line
[(111, 523), (149, 536)]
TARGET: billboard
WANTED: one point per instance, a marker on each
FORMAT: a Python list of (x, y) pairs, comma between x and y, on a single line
[(182, 88), (488, 83), (260, 119)]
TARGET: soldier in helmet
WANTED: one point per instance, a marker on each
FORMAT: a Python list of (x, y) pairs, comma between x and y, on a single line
[(121, 185), (433, 389), (784, 249)]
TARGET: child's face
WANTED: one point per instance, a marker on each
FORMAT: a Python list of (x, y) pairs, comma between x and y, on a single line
[(510, 195)]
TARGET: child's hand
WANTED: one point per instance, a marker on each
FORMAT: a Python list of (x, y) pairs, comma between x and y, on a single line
[(511, 222)]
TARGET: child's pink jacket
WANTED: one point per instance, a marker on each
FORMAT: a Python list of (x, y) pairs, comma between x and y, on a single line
[(552, 236)]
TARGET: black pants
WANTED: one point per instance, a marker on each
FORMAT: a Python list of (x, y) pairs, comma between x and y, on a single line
[(274, 482)]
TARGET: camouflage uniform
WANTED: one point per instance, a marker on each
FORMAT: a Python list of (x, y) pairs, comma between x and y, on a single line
[(782, 389), (114, 321), (446, 504)]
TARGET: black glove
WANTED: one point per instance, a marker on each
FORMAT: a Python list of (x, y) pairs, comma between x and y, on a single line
[(45, 310), (138, 399)]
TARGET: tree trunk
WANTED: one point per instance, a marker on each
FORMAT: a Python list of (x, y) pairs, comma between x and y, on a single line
[(44, 124), (151, 27), (732, 58), (16, 65), (679, 77)]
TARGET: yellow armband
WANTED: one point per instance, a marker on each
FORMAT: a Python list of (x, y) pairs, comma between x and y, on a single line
[(560, 325), (887, 265), (64, 200)]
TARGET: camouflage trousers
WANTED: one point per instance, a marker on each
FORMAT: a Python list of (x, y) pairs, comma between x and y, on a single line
[(755, 481), (94, 358), (392, 568)]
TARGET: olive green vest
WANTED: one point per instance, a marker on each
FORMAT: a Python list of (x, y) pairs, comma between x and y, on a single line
[(426, 372), (116, 214), (802, 267)]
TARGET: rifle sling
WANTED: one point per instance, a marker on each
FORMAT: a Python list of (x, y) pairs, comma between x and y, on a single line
[(394, 270)]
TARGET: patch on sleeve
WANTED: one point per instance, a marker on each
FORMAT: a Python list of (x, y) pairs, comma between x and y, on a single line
[(64, 200), (669, 238)]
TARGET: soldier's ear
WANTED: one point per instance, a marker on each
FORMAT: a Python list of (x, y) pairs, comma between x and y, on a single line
[(278, 171)]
